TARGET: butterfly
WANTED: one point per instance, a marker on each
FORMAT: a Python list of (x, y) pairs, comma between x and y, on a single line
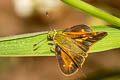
[(71, 46)]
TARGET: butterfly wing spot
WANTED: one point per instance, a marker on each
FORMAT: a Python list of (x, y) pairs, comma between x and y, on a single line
[(64, 65), (83, 35), (82, 30), (85, 38), (91, 37), (79, 40), (70, 65), (95, 33)]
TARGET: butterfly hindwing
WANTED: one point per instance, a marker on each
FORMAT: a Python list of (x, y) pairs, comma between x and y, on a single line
[(68, 63)]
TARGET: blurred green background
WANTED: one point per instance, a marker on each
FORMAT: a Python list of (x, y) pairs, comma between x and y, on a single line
[(26, 16)]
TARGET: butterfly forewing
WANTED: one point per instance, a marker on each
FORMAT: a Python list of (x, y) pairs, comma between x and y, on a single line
[(84, 36), (78, 33), (87, 37)]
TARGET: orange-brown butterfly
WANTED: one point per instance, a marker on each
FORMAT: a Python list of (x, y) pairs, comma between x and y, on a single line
[(72, 45)]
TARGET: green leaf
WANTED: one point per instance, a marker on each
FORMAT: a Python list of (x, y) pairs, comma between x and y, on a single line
[(25, 45), (111, 41)]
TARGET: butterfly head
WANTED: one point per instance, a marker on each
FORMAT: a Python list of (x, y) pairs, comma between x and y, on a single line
[(52, 34)]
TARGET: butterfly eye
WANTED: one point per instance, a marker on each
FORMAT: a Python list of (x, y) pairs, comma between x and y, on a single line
[(50, 37)]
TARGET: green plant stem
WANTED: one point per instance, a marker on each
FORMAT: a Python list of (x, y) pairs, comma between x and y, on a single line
[(85, 7)]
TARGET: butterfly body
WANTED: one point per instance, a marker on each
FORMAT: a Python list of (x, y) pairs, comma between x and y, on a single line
[(72, 45)]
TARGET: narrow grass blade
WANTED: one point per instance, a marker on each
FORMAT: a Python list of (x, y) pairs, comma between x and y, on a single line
[(92, 10)]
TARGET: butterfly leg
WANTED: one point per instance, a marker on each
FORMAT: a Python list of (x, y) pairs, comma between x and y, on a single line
[(52, 48), (50, 42)]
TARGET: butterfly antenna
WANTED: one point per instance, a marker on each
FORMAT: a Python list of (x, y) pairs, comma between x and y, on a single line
[(38, 44), (50, 28)]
